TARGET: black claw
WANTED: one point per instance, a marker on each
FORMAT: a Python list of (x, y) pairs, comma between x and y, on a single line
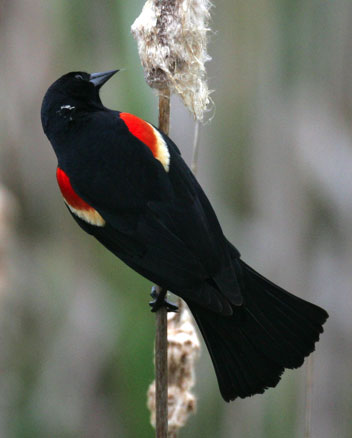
[(161, 301), (154, 293)]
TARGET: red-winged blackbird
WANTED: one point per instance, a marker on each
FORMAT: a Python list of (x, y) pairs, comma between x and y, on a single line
[(126, 183)]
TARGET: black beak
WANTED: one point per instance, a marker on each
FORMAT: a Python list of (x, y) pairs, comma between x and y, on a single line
[(99, 79)]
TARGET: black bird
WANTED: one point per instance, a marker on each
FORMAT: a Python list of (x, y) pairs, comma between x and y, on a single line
[(125, 183)]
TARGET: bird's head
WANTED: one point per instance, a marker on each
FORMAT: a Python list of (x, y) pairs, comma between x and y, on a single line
[(71, 93)]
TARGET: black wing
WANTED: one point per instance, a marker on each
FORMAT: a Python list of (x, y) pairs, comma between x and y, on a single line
[(160, 223)]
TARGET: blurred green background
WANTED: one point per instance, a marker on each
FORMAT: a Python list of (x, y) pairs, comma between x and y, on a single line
[(76, 335)]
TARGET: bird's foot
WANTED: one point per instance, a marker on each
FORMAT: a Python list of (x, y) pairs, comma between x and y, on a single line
[(159, 300)]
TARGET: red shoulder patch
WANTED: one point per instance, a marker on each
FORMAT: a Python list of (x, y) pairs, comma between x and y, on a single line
[(70, 196), (75, 203), (150, 136), (142, 130)]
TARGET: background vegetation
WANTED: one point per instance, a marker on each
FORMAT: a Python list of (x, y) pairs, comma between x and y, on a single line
[(76, 335)]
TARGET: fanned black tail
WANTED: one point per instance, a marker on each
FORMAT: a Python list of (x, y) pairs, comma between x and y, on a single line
[(272, 331)]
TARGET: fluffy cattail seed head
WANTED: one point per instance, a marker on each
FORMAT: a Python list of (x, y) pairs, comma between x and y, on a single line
[(183, 349), (172, 44)]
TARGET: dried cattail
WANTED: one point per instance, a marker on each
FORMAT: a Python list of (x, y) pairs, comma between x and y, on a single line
[(172, 44), (183, 349), (172, 37)]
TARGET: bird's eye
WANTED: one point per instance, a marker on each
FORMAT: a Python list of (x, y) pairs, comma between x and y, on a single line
[(79, 77)]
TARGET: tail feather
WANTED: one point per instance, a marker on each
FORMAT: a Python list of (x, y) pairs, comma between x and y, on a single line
[(273, 330)]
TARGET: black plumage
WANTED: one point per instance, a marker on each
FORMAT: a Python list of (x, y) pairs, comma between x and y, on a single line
[(157, 219)]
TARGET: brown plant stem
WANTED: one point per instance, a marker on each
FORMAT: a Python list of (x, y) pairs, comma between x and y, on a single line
[(161, 399), (194, 165), (195, 149), (161, 411), (164, 110)]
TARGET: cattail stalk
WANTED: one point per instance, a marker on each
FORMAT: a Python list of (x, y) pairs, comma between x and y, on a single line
[(308, 397), (8, 210), (171, 37), (195, 150), (161, 393)]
